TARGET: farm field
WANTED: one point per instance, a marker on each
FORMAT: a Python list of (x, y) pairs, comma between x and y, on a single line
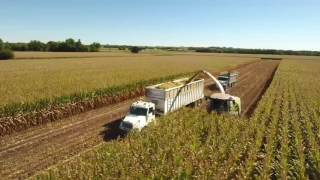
[(36, 55), (20, 159), (160, 90), (281, 139), (46, 78), (107, 52), (65, 87), (22, 55)]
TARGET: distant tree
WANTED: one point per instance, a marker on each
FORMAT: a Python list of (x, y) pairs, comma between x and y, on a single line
[(94, 47), (6, 54), (36, 46), (253, 51), (70, 45), (52, 46), (18, 46), (135, 49), (1, 44), (80, 47)]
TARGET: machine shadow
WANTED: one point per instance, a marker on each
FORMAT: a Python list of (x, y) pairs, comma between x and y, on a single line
[(112, 131)]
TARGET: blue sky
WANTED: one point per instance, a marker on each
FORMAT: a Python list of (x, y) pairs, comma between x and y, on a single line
[(279, 24)]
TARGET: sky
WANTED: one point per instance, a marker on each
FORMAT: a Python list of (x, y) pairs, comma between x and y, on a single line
[(266, 24)]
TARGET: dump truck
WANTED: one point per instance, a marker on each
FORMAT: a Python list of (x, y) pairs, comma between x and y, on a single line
[(161, 99), (228, 79)]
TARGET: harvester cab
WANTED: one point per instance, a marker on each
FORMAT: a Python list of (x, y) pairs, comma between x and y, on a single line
[(220, 103)]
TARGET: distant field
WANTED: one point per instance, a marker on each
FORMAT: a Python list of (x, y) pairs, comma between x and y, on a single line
[(28, 55), (54, 74), (29, 80), (41, 55), (103, 53)]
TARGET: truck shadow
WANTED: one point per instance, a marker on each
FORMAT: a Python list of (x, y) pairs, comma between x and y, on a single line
[(112, 131)]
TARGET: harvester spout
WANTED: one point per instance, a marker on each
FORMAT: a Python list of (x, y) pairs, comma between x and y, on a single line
[(211, 76), (215, 80)]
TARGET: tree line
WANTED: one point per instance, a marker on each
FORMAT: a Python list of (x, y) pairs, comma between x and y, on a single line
[(253, 51), (130, 47), (5, 53), (220, 50), (69, 45)]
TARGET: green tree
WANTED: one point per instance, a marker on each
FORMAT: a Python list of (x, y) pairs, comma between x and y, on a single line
[(1, 44), (94, 47), (135, 49), (18, 46), (36, 46), (70, 45), (80, 47), (52, 46), (6, 54)]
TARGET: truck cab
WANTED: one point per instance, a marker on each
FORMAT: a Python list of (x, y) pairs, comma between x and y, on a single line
[(141, 113)]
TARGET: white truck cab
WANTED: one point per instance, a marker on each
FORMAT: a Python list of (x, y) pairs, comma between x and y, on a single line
[(141, 113)]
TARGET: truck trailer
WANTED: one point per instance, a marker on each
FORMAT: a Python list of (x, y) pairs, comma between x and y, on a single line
[(228, 79), (161, 99)]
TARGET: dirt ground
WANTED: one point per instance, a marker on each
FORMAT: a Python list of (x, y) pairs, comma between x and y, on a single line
[(23, 154), (254, 80)]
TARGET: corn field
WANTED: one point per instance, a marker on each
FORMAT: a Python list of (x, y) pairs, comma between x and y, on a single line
[(280, 141), (27, 81), (34, 92)]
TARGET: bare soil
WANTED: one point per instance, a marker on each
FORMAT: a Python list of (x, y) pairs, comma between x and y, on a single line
[(23, 154), (254, 81)]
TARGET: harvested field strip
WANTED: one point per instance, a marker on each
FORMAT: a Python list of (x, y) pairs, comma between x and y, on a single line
[(250, 88), (280, 140), (56, 142)]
